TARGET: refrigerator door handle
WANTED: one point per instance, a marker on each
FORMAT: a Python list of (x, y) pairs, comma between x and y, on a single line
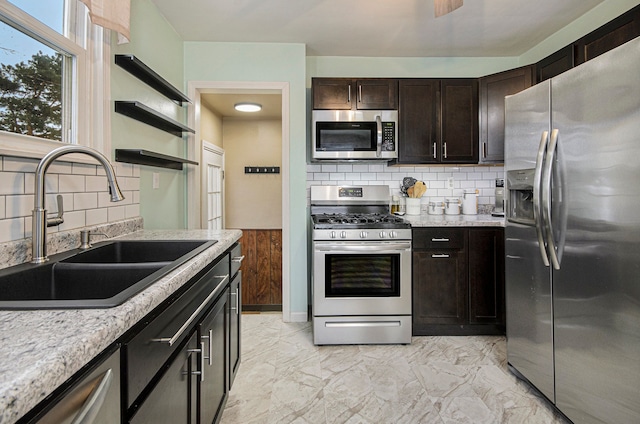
[(546, 198), (537, 185)]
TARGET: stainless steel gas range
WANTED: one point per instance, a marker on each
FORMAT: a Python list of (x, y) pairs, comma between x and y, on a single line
[(361, 267)]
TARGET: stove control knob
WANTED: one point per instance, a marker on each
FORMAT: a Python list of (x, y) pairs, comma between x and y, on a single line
[(364, 234), (333, 234), (383, 234), (393, 234), (343, 234)]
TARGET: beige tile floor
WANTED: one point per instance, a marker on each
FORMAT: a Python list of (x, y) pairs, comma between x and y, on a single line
[(284, 378)]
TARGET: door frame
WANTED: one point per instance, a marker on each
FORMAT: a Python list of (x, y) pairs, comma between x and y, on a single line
[(195, 89), (203, 174)]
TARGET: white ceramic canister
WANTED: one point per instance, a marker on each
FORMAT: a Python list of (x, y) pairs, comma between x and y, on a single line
[(413, 205), (470, 202), (452, 206), (436, 208)]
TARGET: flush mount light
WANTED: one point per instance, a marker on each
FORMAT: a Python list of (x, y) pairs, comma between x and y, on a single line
[(248, 107)]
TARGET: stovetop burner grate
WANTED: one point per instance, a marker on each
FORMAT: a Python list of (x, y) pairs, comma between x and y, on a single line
[(357, 220)]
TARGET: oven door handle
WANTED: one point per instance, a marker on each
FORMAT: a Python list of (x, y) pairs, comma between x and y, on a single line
[(375, 247)]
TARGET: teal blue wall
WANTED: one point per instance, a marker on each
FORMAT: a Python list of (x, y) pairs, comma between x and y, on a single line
[(247, 62), (156, 43)]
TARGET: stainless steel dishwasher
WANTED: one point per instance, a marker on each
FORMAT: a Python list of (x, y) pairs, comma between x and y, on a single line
[(95, 399)]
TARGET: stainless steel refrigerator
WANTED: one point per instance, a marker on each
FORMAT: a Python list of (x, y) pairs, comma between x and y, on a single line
[(572, 163)]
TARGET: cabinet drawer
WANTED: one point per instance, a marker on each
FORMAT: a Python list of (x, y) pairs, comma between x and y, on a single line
[(148, 351), (438, 238)]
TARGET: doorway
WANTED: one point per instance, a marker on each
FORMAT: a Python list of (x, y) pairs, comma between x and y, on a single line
[(198, 89)]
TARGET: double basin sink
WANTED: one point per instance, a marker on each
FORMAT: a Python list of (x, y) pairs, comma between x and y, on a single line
[(101, 277)]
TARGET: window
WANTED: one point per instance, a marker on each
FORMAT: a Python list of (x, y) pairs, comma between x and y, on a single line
[(50, 56)]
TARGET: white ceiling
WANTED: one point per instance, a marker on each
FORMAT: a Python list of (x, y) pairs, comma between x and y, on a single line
[(377, 28), (222, 104)]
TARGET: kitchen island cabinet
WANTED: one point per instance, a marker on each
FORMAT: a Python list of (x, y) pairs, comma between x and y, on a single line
[(438, 121), (458, 281), (35, 342)]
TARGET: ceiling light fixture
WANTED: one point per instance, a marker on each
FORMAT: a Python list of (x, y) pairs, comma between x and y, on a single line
[(248, 107)]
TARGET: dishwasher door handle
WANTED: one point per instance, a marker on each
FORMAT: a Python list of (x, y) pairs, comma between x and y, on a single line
[(171, 340), (94, 402)]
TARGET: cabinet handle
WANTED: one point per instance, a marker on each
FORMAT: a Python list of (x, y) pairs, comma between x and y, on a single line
[(96, 398), (440, 255), (445, 149), (238, 259), (210, 338), (434, 150), (187, 324), (484, 150), (440, 239), (236, 308), (201, 352), (360, 93), (349, 94)]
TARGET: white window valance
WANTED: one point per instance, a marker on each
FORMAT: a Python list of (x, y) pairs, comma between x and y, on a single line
[(111, 14)]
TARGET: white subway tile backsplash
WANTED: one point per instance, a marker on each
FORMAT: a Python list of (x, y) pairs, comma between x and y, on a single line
[(116, 213), (435, 177), (71, 183), (20, 205), (345, 168), (11, 183), (11, 229), (96, 216), (85, 201), (83, 187)]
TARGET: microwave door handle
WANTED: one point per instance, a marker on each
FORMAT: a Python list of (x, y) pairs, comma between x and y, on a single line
[(537, 188), (379, 136)]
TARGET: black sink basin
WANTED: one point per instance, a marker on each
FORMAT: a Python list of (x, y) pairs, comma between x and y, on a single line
[(102, 277), (136, 251)]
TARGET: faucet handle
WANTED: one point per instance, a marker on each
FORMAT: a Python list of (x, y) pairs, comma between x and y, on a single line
[(58, 219)]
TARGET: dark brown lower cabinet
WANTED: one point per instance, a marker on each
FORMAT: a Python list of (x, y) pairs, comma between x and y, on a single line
[(458, 281), (262, 269)]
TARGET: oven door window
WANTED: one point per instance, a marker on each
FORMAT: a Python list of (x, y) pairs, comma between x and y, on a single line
[(346, 136), (362, 275)]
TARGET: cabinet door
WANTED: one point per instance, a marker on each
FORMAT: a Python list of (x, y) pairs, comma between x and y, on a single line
[(172, 400), (624, 28), (235, 315), (439, 288), (332, 93), (375, 94), (493, 90), (418, 119), (213, 387), (459, 121), (486, 276), (555, 64)]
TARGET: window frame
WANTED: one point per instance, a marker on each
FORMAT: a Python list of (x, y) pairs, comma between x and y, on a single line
[(89, 45)]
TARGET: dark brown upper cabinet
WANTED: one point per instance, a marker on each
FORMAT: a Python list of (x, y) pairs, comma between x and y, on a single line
[(353, 94), (555, 64), (493, 89), (624, 28), (438, 121)]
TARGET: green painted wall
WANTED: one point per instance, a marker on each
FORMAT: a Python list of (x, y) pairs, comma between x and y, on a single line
[(154, 42), (248, 62)]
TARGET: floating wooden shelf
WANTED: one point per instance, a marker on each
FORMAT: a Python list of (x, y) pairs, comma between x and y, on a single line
[(147, 75), (146, 157), (143, 113)]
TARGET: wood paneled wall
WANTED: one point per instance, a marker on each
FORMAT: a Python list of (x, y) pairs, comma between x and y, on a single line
[(262, 269)]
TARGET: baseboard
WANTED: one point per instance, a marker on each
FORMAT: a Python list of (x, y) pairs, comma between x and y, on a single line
[(299, 316)]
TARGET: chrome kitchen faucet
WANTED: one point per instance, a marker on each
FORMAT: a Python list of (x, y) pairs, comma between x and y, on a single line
[(39, 236)]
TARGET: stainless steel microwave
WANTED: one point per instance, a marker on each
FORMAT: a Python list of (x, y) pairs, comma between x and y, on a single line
[(354, 134)]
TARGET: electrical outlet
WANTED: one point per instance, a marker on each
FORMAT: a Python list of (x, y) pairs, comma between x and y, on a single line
[(156, 180), (450, 183)]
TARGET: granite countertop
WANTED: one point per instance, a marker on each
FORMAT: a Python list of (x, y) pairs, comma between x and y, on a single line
[(41, 349), (426, 220)]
